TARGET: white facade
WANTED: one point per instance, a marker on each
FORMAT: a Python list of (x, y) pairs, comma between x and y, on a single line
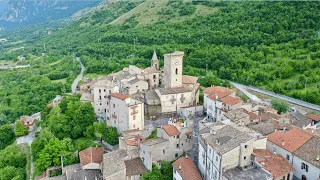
[(125, 114), (278, 150), (313, 172), (176, 175)]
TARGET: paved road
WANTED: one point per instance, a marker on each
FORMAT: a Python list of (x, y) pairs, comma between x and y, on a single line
[(26, 139), (285, 98), (76, 81), (242, 88)]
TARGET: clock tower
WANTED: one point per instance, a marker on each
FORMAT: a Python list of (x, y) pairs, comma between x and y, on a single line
[(173, 69)]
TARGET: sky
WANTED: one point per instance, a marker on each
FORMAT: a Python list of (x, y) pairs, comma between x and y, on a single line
[(3, 4)]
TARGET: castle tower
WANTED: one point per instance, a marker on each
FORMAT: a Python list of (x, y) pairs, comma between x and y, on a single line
[(173, 69), (155, 61)]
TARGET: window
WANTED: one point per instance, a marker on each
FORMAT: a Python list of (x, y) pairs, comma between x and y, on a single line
[(134, 126), (99, 90), (210, 150), (288, 157), (100, 104), (104, 90), (245, 146), (134, 117), (142, 159), (177, 145), (304, 166), (216, 158), (182, 144), (176, 155), (163, 151), (105, 110), (154, 76), (114, 106), (176, 71), (107, 103), (99, 97), (177, 136), (245, 157), (144, 152)]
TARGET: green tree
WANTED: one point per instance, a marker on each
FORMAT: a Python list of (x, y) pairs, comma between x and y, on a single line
[(6, 135), (12, 173), (111, 136), (280, 105), (20, 130), (155, 174)]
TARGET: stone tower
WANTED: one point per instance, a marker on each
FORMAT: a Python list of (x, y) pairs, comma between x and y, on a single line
[(155, 61), (173, 69)]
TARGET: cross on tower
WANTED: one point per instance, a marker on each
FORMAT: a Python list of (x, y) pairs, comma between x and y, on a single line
[(173, 100), (182, 98)]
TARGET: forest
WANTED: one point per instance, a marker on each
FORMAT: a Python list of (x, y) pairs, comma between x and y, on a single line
[(272, 45)]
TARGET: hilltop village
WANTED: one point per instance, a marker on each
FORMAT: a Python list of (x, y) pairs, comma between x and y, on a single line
[(158, 114)]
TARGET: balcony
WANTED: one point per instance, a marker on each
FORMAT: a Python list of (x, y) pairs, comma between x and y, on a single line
[(114, 116)]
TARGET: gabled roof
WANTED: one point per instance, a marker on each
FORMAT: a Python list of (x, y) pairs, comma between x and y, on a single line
[(186, 168), (135, 167), (189, 79), (91, 155), (120, 96), (229, 100), (290, 140), (217, 91), (113, 162), (253, 116), (276, 165), (170, 130), (309, 151), (314, 117)]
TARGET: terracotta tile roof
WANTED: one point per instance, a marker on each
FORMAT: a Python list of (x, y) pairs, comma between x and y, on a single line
[(313, 131), (253, 116), (131, 131), (171, 130), (135, 167), (261, 153), (290, 140), (313, 117), (91, 155), (217, 90), (189, 79), (120, 96), (188, 170), (133, 141), (276, 165), (230, 100), (309, 151), (189, 133)]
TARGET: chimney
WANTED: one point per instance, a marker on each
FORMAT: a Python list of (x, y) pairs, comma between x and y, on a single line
[(180, 167), (262, 164), (283, 143), (318, 158), (186, 156), (284, 129), (312, 131)]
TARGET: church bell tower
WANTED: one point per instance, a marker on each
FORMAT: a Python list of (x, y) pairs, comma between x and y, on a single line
[(173, 69), (155, 61)]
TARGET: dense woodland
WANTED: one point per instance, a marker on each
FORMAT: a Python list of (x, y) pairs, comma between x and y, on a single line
[(273, 45)]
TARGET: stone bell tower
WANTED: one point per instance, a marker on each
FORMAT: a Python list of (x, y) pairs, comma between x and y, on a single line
[(155, 61), (173, 69)]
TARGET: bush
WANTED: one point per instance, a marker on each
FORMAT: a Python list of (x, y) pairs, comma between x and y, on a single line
[(280, 105), (20, 130)]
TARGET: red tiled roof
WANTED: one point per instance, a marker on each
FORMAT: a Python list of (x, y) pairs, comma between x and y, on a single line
[(253, 116), (134, 141), (231, 100), (188, 170), (91, 155), (131, 131), (276, 165), (189, 133), (261, 152), (290, 140), (219, 90), (313, 117), (120, 96), (171, 130), (189, 79)]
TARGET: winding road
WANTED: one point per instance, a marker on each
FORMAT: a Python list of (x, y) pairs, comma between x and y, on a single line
[(79, 77), (242, 87)]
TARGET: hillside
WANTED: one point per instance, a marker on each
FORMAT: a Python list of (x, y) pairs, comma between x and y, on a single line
[(20, 13), (272, 45)]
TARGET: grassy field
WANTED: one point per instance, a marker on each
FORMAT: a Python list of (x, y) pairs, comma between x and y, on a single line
[(152, 13), (93, 75), (63, 81)]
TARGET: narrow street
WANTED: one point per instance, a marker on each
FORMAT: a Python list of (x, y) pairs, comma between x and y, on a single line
[(79, 77)]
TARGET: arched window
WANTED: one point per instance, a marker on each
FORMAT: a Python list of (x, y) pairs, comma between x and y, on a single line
[(176, 71)]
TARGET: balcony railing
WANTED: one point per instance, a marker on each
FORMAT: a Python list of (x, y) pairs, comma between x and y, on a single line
[(134, 112)]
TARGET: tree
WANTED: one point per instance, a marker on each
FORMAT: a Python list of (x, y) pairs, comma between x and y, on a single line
[(165, 173), (13, 173), (6, 135), (20, 129), (12, 156), (280, 105), (51, 154), (155, 174), (111, 136)]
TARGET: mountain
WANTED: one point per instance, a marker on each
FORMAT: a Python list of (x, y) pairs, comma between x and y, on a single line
[(26, 12)]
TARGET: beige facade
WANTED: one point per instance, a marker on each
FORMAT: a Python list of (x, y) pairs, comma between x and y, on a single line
[(173, 69)]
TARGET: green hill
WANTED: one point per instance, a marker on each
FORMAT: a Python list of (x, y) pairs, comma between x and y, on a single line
[(273, 45)]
